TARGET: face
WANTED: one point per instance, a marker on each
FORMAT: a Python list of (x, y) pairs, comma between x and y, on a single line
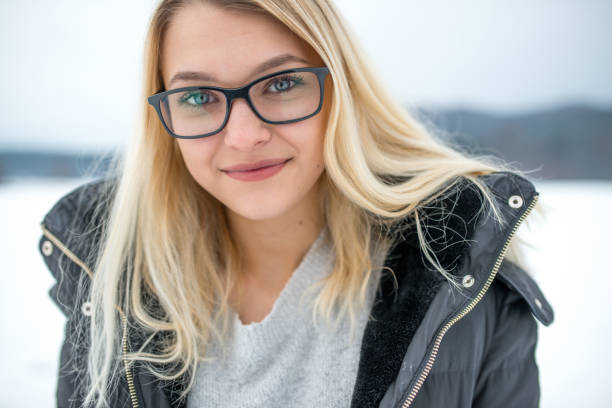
[(229, 46)]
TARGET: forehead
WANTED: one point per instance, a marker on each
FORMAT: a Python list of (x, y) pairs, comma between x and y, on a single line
[(227, 44)]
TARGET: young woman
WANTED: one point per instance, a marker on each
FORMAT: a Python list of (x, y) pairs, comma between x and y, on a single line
[(283, 233)]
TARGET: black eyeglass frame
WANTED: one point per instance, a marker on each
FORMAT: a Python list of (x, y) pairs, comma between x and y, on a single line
[(241, 92)]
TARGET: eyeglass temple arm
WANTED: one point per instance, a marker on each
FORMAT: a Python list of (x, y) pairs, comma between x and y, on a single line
[(167, 106)]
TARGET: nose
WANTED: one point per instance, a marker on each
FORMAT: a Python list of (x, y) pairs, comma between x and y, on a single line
[(244, 130)]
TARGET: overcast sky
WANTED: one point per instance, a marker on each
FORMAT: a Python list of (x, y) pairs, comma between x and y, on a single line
[(71, 68)]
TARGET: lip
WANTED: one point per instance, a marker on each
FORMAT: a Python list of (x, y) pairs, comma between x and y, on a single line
[(259, 173), (254, 166)]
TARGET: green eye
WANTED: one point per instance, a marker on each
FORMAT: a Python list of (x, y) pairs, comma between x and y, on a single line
[(196, 98)]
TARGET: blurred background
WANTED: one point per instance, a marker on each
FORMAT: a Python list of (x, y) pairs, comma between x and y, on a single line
[(527, 81)]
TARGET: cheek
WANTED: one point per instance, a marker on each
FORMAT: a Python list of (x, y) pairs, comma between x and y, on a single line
[(310, 163), (313, 142), (198, 155)]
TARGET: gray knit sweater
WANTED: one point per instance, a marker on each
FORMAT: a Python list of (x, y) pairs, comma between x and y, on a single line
[(285, 360)]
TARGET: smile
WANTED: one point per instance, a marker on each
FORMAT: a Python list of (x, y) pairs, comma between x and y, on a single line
[(256, 174)]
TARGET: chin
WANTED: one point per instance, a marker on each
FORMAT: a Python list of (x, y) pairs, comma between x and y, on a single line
[(258, 211)]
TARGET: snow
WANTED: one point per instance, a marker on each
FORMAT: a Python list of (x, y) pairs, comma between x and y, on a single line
[(567, 260), (574, 273), (32, 326)]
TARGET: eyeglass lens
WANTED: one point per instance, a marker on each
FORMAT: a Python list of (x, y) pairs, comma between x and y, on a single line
[(284, 97)]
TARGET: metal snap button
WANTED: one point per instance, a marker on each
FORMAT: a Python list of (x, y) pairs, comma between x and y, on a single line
[(468, 281), (86, 308), (47, 248), (515, 201), (538, 303)]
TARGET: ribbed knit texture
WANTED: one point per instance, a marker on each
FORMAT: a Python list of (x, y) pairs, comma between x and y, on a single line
[(285, 360)]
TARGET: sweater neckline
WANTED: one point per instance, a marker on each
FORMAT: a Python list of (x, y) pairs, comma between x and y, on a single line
[(314, 266)]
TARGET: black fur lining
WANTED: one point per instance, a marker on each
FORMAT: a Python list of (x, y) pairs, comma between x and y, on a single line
[(448, 223)]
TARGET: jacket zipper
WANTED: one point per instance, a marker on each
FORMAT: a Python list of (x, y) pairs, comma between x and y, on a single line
[(434, 350), (129, 373)]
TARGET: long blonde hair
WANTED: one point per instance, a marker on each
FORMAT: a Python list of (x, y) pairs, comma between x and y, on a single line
[(381, 166)]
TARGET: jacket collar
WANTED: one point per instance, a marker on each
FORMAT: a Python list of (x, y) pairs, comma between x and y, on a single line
[(468, 243)]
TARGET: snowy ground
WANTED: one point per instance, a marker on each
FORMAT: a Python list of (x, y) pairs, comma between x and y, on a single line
[(569, 262)]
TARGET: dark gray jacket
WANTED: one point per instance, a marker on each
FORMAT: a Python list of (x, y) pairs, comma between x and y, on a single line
[(429, 345)]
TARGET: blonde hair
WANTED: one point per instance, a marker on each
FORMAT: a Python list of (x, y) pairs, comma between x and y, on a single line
[(381, 166)]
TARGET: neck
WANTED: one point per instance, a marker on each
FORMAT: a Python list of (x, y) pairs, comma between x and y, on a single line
[(273, 248)]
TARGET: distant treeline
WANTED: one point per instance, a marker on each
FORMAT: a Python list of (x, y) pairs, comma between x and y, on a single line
[(566, 143), (26, 164)]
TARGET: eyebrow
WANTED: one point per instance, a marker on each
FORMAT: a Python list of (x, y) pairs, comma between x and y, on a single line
[(264, 66)]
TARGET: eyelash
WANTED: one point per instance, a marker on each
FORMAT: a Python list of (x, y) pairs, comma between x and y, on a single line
[(298, 80), (183, 100)]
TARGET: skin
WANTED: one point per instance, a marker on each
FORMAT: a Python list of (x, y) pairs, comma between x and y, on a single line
[(276, 220)]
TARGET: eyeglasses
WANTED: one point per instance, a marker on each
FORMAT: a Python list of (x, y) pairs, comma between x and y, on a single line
[(282, 97)]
